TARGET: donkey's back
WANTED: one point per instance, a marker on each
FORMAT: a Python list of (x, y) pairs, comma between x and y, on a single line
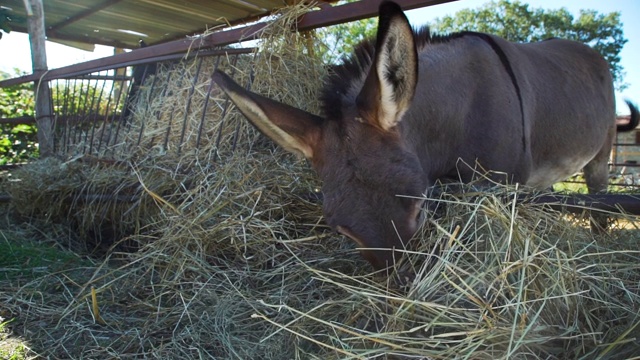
[(569, 110), (537, 112)]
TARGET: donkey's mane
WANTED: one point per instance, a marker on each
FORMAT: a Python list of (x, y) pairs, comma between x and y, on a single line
[(355, 66)]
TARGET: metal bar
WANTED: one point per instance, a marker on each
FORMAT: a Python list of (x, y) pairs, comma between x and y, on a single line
[(188, 106), (206, 103), (95, 116), (225, 109), (107, 110), (173, 110), (149, 94), (19, 120), (126, 102), (102, 77), (135, 57), (61, 120), (77, 101), (626, 144), (91, 118), (236, 133), (355, 11), (56, 112), (578, 203), (163, 93), (68, 103), (116, 118), (82, 112)]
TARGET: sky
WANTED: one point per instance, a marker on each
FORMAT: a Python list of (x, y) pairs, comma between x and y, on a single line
[(15, 53)]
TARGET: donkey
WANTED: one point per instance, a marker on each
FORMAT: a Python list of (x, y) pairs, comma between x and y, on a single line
[(405, 110)]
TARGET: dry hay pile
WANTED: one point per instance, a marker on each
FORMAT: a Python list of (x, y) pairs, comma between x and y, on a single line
[(231, 260), (244, 269), (103, 201)]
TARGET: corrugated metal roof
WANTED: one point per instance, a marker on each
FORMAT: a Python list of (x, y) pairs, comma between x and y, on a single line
[(122, 23), (325, 16)]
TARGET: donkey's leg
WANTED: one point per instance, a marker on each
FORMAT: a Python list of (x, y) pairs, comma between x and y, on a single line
[(596, 174)]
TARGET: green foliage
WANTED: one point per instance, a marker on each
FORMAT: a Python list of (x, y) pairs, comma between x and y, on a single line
[(342, 38), (517, 21), (18, 143), (16, 100), (10, 349)]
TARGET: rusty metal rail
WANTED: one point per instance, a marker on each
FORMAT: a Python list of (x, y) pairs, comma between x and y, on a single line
[(578, 203)]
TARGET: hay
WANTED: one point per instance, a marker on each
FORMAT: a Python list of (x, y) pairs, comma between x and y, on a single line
[(254, 274), (227, 256), (105, 201), (180, 112)]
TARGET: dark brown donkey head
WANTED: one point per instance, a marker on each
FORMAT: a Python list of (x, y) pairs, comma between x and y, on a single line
[(372, 180)]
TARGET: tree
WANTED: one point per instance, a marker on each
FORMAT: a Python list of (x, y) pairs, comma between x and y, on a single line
[(342, 38), (18, 143), (514, 21), (518, 22)]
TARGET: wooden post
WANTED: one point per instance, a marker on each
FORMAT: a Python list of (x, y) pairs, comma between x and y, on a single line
[(119, 86), (44, 118)]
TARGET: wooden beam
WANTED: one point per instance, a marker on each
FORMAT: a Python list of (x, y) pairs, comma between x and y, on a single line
[(29, 120), (43, 109), (356, 10), (93, 40)]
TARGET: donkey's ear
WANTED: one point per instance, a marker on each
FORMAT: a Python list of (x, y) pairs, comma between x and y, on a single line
[(391, 82), (295, 130)]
